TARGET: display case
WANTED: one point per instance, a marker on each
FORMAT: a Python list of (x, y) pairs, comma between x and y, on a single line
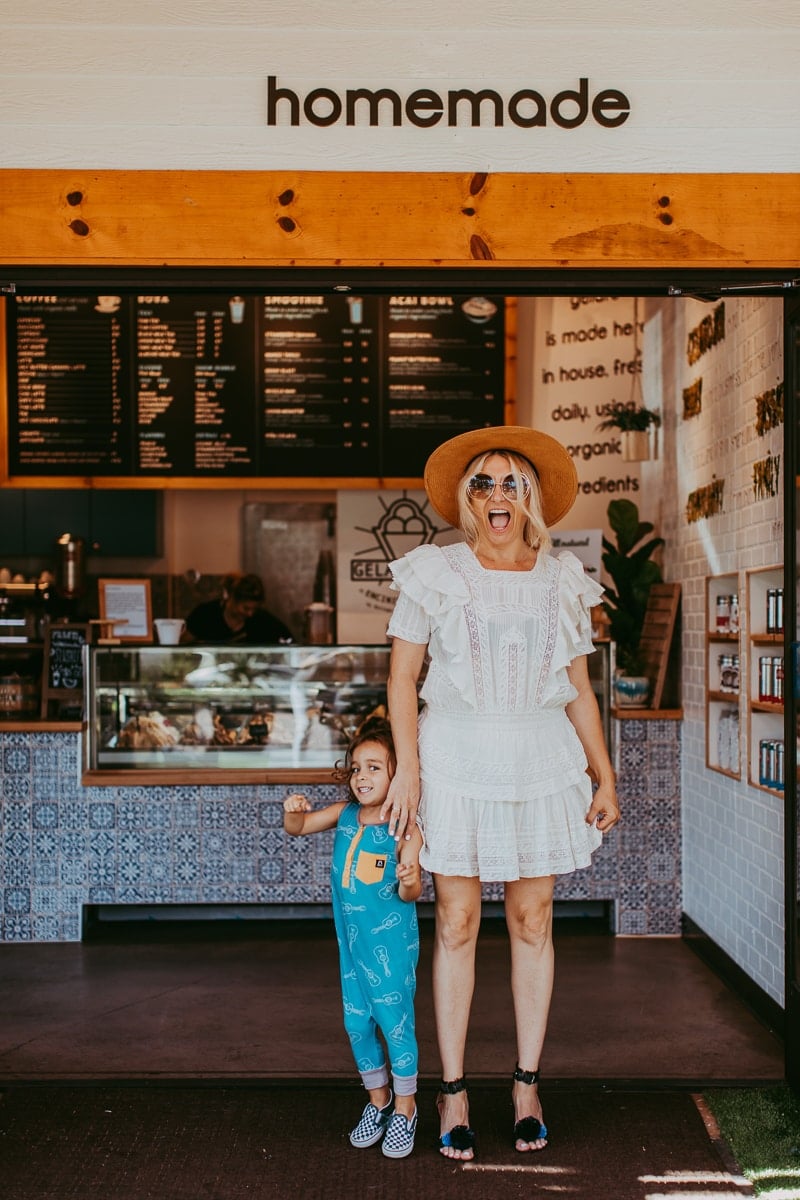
[(275, 712)]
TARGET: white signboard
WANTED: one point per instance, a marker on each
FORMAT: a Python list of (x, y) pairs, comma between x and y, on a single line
[(373, 529), (585, 544), (555, 86)]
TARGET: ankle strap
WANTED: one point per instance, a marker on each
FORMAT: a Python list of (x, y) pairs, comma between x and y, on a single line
[(453, 1085), (528, 1077)]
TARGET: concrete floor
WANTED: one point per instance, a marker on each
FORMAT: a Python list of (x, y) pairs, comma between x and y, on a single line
[(258, 1004)]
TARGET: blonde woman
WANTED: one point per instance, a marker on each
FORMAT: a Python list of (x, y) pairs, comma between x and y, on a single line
[(497, 760)]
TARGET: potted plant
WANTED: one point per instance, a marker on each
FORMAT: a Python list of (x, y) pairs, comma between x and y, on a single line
[(631, 568), (634, 423)]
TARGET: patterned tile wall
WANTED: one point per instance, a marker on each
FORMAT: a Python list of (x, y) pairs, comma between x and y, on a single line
[(65, 846)]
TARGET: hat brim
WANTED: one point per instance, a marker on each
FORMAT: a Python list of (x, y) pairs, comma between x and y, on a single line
[(558, 478)]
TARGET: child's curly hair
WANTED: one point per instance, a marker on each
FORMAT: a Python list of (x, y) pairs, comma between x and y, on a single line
[(374, 728)]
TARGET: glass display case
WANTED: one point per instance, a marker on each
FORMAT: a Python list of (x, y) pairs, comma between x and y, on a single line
[(249, 708), (274, 709)]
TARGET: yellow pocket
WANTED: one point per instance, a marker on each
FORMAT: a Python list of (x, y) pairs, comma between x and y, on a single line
[(370, 868)]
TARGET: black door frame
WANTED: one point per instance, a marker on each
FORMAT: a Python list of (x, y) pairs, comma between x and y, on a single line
[(703, 284)]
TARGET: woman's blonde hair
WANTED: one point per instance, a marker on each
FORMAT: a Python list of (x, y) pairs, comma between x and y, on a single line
[(534, 530)]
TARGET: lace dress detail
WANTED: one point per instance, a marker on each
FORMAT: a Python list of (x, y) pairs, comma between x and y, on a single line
[(503, 772)]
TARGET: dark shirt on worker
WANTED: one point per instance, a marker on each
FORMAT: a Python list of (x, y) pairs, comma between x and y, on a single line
[(207, 623)]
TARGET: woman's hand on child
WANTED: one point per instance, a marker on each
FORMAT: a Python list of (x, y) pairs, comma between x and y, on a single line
[(296, 803)]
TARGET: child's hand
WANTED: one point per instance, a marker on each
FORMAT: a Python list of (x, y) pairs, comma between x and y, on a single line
[(296, 803), (409, 875)]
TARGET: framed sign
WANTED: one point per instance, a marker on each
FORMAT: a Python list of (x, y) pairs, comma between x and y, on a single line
[(126, 602)]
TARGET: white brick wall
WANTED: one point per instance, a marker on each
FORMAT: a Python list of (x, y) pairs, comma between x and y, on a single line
[(733, 838)]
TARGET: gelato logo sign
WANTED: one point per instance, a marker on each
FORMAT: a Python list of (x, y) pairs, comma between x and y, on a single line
[(403, 526), (425, 108)]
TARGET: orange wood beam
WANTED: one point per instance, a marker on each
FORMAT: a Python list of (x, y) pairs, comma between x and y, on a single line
[(294, 218)]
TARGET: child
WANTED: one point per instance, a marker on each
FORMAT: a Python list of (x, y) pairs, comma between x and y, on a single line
[(374, 882)]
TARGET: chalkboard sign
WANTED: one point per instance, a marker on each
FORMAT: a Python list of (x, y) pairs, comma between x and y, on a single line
[(70, 383), (210, 385), (62, 671), (444, 373)]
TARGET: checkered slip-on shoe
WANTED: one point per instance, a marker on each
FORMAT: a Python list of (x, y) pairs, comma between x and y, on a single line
[(399, 1140), (372, 1125)]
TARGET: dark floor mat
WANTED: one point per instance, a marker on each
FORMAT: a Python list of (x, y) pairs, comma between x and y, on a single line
[(286, 1141)]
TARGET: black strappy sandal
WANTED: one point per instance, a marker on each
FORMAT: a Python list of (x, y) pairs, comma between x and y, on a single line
[(460, 1137), (528, 1129)]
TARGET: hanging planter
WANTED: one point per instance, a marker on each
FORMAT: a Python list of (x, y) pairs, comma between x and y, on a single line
[(635, 445), (634, 425)]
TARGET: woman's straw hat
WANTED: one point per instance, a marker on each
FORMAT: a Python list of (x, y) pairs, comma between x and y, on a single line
[(555, 470)]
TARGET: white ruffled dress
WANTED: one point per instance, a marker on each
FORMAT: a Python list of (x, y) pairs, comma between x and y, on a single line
[(503, 772)]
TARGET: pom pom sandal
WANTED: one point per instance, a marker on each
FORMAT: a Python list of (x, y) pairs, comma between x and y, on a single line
[(528, 1129), (459, 1137)]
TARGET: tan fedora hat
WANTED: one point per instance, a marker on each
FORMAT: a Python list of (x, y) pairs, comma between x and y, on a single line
[(558, 479)]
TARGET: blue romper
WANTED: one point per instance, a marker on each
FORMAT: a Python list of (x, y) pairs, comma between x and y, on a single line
[(378, 951)]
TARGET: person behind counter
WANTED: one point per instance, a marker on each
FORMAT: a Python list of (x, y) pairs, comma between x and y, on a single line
[(237, 616)]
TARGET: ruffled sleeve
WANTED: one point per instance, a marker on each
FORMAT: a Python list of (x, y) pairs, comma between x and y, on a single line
[(577, 595), (431, 609)]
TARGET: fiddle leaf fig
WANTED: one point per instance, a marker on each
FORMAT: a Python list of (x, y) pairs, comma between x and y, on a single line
[(632, 570)]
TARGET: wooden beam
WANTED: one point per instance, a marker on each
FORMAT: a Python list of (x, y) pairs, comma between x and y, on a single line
[(290, 218)]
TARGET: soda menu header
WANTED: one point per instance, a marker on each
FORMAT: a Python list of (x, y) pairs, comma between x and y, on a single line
[(212, 385)]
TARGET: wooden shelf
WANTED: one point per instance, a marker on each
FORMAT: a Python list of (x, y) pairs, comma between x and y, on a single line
[(723, 743), (764, 717)]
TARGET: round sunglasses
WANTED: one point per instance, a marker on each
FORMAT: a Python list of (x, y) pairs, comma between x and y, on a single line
[(481, 487)]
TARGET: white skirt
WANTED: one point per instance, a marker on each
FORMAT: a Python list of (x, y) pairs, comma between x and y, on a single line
[(532, 824)]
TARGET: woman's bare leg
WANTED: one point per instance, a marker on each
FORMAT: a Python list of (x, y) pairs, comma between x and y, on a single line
[(458, 918), (529, 916)]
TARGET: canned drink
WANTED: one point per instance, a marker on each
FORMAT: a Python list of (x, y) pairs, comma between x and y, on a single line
[(777, 680), (765, 679)]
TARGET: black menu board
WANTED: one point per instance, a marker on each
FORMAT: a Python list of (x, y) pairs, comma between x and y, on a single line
[(69, 382), (320, 388), (444, 362), (195, 367), (212, 385)]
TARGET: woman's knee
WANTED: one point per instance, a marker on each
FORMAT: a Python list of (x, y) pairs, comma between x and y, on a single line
[(529, 914), (458, 917)]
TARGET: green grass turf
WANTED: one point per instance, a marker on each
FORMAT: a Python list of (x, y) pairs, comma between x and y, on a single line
[(762, 1128)]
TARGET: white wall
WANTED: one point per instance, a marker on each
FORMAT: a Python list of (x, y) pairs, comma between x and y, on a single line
[(181, 85), (733, 866)]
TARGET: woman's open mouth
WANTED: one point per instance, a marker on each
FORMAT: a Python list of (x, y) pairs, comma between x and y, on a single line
[(499, 518)]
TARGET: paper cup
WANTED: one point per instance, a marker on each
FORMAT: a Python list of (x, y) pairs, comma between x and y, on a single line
[(169, 630)]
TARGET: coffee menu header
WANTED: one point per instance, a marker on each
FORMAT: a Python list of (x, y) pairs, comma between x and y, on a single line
[(213, 385)]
